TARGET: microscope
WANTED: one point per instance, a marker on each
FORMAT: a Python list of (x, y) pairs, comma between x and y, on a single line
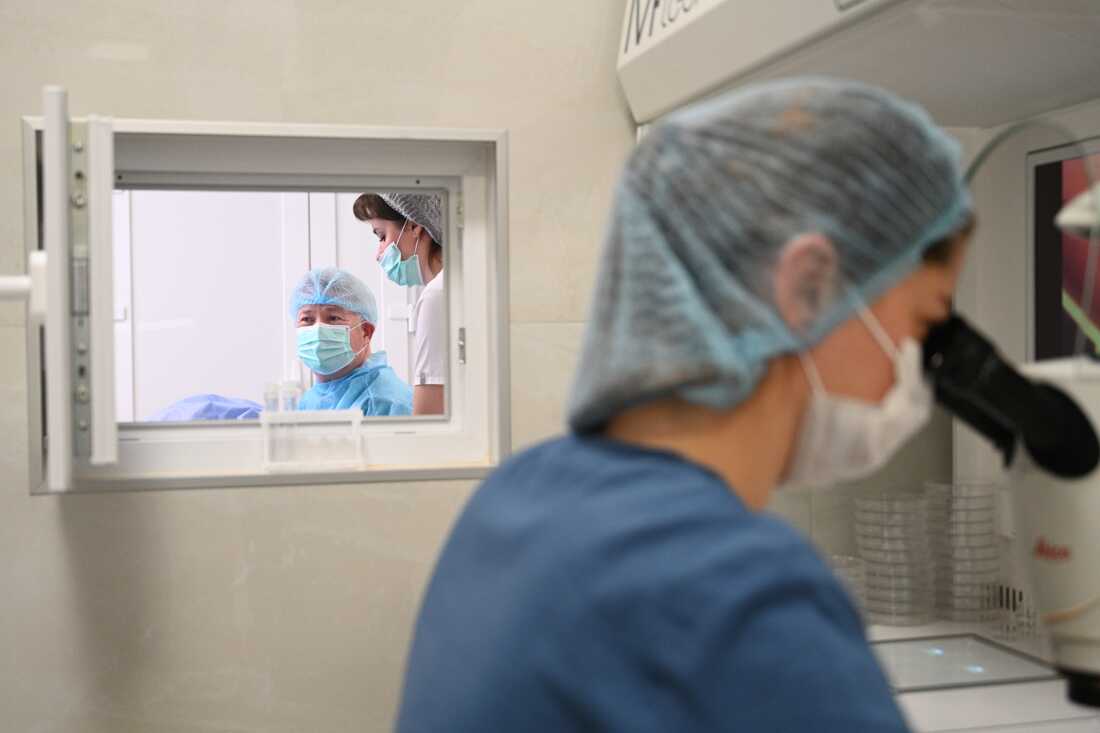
[(1042, 419)]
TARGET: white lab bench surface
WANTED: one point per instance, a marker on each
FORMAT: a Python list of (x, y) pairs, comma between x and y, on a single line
[(1039, 705)]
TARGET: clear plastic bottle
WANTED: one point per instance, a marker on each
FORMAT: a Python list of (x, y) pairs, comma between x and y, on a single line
[(290, 394), (271, 397)]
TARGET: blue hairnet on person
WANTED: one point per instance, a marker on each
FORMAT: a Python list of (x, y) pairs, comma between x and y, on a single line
[(332, 286), (708, 199)]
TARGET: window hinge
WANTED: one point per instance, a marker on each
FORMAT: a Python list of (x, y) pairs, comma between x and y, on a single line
[(462, 346)]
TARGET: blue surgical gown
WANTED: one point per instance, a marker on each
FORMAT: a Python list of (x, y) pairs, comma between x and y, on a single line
[(374, 388), (593, 586)]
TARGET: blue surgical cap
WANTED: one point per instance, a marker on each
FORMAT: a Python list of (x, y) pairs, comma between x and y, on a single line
[(684, 303), (332, 286)]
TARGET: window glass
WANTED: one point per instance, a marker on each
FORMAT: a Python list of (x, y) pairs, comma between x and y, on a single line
[(1060, 269), (203, 287)]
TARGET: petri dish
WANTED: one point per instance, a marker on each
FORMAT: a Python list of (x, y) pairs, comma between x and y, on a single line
[(914, 567), (908, 503), (918, 618), (901, 582), (893, 531), (979, 616), (924, 594), (966, 503), (956, 603), (895, 557), (954, 529), (990, 552), (969, 567), (872, 519), (952, 543)]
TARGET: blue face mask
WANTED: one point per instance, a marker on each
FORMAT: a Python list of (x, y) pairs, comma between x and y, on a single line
[(402, 272), (325, 349)]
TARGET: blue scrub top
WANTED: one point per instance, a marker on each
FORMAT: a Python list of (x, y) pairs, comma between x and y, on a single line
[(594, 586), (374, 387)]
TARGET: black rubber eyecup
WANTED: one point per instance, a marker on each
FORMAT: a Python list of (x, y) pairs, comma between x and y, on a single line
[(1082, 688)]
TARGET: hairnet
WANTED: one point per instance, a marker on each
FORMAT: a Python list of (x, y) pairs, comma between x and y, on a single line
[(683, 303), (424, 209), (332, 286)]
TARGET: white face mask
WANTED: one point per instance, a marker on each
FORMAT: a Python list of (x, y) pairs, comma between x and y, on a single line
[(842, 438)]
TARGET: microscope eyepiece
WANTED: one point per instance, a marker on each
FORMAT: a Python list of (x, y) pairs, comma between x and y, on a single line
[(1082, 688), (973, 381)]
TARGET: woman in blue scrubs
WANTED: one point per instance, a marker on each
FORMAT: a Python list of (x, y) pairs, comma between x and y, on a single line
[(774, 261)]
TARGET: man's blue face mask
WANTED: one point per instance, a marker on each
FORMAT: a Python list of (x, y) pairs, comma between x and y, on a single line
[(325, 349), (401, 272)]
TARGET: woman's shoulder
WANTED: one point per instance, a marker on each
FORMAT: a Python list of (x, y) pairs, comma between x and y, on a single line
[(432, 292), (429, 313), (605, 490), (645, 524)]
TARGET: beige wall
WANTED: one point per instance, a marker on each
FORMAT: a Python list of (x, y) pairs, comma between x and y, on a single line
[(284, 609)]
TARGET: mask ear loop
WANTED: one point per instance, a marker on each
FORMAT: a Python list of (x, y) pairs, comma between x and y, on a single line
[(878, 332), (886, 343), (416, 254), (812, 375), (366, 345), (395, 243)]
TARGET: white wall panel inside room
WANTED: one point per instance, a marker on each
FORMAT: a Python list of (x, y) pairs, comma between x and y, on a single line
[(282, 609), (207, 298)]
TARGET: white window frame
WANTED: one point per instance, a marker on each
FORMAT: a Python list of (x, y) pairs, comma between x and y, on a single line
[(470, 167)]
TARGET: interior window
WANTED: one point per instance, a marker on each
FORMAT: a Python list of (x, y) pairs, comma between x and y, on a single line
[(179, 300), (203, 323)]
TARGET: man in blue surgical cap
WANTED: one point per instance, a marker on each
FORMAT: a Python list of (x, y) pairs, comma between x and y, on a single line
[(335, 313), (775, 258)]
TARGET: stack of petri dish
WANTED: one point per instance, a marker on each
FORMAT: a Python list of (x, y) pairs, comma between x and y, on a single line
[(892, 537), (852, 572), (965, 550)]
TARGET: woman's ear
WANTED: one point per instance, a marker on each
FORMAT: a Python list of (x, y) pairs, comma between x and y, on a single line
[(805, 279)]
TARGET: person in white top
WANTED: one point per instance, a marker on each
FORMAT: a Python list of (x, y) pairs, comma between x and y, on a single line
[(410, 252)]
